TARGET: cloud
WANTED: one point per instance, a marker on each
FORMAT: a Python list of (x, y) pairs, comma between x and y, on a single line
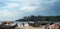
[(15, 9), (29, 8), (11, 5), (8, 14), (52, 1)]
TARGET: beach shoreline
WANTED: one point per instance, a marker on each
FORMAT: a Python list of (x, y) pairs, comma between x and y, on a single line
[(30, 27)]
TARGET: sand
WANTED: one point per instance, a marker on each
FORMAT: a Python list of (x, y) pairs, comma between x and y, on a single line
[(30, 27)]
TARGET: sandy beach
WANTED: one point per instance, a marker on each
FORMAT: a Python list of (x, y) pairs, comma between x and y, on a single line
[(30, 27)]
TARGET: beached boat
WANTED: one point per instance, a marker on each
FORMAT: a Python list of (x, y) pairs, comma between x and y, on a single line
[(7, 25), (34, 24), (38, 23)]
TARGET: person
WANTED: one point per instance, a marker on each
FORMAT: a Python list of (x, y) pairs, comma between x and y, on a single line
[(23, 24), (51, 26), (58, 26)]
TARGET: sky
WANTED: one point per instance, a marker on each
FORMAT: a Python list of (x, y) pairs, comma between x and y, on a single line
[(11, 10)]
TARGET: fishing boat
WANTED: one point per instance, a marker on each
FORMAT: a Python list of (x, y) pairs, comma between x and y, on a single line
[(34, 24), (7, 25)]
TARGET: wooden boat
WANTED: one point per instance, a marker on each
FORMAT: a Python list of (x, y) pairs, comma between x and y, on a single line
[(35, 24), (6, 25)]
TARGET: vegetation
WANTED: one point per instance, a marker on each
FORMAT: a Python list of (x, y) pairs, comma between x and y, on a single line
[(40, 18)]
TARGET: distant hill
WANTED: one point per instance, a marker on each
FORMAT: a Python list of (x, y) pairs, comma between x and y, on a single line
[(40, 18)]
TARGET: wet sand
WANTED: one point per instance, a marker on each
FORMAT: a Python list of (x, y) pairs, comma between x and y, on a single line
[(30, 27)]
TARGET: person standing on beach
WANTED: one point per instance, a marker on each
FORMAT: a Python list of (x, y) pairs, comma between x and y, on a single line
[(23, 24)]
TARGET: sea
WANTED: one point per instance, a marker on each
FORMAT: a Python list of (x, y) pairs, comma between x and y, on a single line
[(16, 22)]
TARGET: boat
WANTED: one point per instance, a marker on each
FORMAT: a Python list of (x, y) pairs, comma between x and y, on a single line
[(8, 25), (34, 24)]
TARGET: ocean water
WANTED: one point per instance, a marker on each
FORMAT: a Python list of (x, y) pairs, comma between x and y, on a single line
[(17, 22), (21, 22)]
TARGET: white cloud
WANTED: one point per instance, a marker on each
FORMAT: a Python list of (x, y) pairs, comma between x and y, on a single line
[(29, 8), (18, 8), (12, 0), (11, 5), (8, 15), (52, 1), (9, 12)]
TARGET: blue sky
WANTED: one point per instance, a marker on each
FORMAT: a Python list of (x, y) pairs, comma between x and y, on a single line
[(11, 10)]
